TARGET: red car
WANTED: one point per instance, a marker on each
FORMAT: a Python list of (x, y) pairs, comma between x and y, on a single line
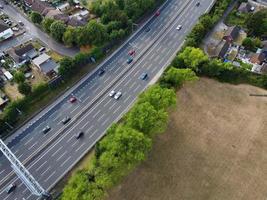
[(157, 13), (72, 99), (132, 52)]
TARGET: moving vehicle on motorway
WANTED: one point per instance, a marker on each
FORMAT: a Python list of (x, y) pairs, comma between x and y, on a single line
[(10, 188), (72, 99), (117, 95), (79, 134), (198, 4), (179, 27), (144, 76), (65, 120), (129, 60), (112, 93), (101, 72), (132, 52), (46, 129), (157, 13)]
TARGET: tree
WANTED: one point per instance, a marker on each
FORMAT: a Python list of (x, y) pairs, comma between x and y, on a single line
[(69, 36), (249, 44), (176, 77), (145, 118), (97, 33), (19, 77), (160, 98), (46, 24), (24, 88), (36, 17), (57, 30), (257, 23), (66, 67), (193, 57)]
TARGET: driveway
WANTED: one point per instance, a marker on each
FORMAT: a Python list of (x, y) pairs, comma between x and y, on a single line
[(37, 33)]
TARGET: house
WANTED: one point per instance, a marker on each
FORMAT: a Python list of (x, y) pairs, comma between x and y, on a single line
[(245, 7), (76, 22), (231, 34), (58, 15), (3, 100), (41, 7), (23, 53), (5, 31), (63, 7), (28, 2), (257, 58), (45, 64), (220, 50)]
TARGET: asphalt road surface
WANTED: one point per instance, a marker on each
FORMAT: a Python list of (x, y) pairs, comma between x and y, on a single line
[(49, 157), (34, 32)]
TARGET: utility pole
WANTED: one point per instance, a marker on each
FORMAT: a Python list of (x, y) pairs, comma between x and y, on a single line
[(23, 173)]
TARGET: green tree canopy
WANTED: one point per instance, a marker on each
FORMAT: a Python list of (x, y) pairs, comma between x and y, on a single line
[(36, 17), (19, 77), (57, 30), (257, 23), (69, 36), (24, 88), (46, 24)]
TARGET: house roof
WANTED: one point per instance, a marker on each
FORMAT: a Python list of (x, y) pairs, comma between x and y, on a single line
[(3, 27), (244, 7), (20, 51), (48, 66), (232, 32), (29, 2), (221, 49), (41, 7), (257, 58), (76, 22), (41, 59)]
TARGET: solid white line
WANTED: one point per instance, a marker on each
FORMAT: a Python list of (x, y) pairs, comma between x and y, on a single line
[(45, 170), (125, 100), (107, 102), (33, 145), (80, 147), (135, 89), (28, 141), (93, 133), (75, 109), (2, 171), (104, 122), (116, 109), (96, 113), (112, 105), (103, 115)]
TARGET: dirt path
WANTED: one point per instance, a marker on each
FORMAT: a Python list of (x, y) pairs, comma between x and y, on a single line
[(215, 148)]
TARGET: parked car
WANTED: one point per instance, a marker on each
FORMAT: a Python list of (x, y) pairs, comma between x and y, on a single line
[(46, 129), (21, 23), (72, 99), (10, 188), (198, 4), (144, 76), (112, 93), (79, 134), (101, 72), (117, 95), (129, 60), (65, 120)]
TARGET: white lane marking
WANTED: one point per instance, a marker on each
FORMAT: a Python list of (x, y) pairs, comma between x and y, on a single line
[(41, 166), (104, 122), (65, 161), (96, 113), (93, 133), (28, 141), (107, 102), (33, 145), (103, 115), (29, 196), (49, 176), (112, 105), (107, 79), (135, 89), (57, 151), (45, 170), (75, 109), (80, 147), (85, 124), (125, 100), (131, 86), (2, 171), (61, 156), (116, 109), (75, 143)]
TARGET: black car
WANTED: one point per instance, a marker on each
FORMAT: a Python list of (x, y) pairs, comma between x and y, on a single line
[(10, 188), (101, 72), (79, 134), (143, 76), (66, 120), (46, 129), (198, 4)]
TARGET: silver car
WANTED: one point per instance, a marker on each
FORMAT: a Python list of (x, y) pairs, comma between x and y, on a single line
[(118, 95), (111, 94)]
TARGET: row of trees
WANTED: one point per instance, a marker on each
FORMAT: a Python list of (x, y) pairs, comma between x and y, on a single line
[(115, 23)]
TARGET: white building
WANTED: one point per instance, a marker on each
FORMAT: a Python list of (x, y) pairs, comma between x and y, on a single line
[(5, 32)]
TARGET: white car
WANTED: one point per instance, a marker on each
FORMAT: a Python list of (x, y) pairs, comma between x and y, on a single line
[(179, 27), (111, 94), (118, 95)]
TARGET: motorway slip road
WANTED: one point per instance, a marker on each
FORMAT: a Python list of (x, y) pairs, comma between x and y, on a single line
[(155, 49)]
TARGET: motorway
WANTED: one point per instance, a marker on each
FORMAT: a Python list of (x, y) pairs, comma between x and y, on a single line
[(48, 157)]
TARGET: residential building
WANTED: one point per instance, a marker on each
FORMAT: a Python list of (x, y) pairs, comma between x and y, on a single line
[(245, 7), (231, 34), (45, 64), (5, 31), (41, 7), (220, 50), (63, 7), (257, 58)]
